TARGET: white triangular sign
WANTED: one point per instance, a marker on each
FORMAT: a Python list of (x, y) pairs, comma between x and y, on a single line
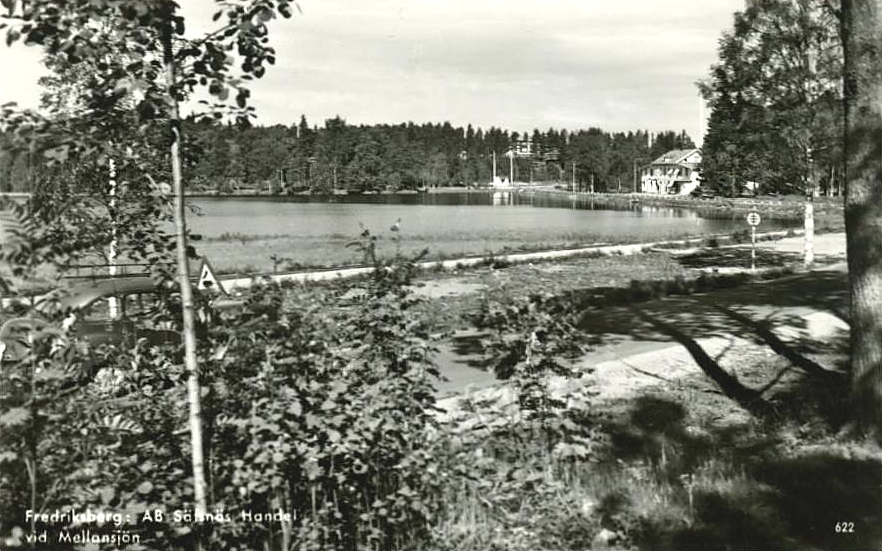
[(207, 278)]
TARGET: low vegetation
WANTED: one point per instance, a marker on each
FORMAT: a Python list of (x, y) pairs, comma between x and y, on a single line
[(321, 403)]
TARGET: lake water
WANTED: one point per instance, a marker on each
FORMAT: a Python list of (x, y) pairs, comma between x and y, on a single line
[(242, 234)]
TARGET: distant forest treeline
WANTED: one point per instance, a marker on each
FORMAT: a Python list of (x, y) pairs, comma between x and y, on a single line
[(340, 156)]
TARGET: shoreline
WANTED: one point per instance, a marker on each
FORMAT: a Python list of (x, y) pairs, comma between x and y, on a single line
[(439, 267), (429, 266)]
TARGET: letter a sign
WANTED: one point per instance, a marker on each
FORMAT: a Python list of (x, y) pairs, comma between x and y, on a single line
[(207, 279)]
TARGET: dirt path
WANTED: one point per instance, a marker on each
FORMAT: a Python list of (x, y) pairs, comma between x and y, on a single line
[(796, 319)]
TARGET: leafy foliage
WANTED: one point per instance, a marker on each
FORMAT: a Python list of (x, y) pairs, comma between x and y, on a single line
[(776, 113), (529, 340), (320, 408)]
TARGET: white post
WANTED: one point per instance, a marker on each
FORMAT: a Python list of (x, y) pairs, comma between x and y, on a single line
[(112, 302), (752, 248), (809, 235)]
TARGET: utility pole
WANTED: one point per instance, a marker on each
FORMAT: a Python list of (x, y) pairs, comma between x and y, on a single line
[(494, 168), (574, 176), (511, 167)]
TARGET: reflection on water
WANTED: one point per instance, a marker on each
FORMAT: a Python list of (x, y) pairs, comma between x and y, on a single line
[(510, 198), (525, 215), (512, 214), (502, 198), (668, 211), (314, 230)]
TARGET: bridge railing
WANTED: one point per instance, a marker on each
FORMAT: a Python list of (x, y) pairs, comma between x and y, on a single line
[(102, 271)]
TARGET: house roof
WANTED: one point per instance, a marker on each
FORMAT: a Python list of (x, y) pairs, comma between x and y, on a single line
[(674, 156)]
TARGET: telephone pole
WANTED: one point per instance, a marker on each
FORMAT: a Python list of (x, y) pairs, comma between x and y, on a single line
[(494, 167), (511, 167)]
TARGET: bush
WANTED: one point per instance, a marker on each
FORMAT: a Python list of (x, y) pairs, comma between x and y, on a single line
[(530, 340), (322, 411)]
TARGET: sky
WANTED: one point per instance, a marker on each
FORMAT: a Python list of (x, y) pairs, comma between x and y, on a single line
[(517, 64)]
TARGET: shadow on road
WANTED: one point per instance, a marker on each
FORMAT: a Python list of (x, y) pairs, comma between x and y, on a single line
[(765, 493), (749, 399), (776, 314)]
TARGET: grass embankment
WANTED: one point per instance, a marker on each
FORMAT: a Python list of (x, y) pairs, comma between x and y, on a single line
[(679, 467), (242, 254), (680, 463), (641, 274), (251, 254)]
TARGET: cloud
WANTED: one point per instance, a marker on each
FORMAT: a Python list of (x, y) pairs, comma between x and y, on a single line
[(621, 64)]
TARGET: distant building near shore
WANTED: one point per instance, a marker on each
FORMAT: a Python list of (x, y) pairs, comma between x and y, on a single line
[(674, 173), (524, 148)]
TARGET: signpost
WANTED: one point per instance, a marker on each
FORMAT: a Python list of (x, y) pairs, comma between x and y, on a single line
[(208, 279), (753, 218)]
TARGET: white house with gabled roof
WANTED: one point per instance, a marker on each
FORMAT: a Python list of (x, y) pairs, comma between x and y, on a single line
[(674, 173)]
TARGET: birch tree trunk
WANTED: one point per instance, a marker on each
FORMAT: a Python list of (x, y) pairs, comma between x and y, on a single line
[(862, 40), (809, 217), (189, 325), (112, 302), (809, 235)]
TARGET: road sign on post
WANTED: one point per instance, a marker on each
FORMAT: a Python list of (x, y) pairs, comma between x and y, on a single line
[(753, 218), (208, 279)]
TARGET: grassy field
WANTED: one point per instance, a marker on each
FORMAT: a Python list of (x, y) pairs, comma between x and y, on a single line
[(460, 288), (680, 467), (241, 254), (673, 463)]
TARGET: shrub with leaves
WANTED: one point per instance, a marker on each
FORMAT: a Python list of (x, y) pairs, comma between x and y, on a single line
[(528, 341), (315, 406), (325, 411)]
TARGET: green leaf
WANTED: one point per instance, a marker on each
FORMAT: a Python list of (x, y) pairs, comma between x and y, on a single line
[(107, 494), (8, 456), (15, 416)]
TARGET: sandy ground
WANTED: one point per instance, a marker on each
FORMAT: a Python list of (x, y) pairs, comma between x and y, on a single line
[(832, 244), (804, 306), (668, 366), (630, 354), (829, 248)]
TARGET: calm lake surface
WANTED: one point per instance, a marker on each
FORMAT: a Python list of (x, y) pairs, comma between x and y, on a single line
[(241, 234)]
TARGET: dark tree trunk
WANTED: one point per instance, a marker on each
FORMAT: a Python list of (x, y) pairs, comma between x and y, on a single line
[(862, 40)]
